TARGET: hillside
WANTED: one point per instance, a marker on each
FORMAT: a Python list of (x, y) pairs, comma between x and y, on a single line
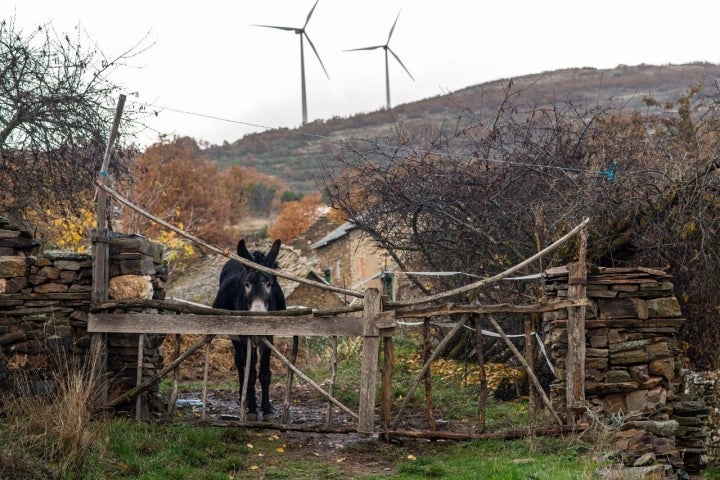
[(295, 155)]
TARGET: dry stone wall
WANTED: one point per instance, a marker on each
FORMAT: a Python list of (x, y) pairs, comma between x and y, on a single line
[(45, 298), (632, 365)]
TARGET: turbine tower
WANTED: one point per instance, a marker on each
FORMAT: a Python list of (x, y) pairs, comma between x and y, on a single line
[(303, 35), (387, 49)]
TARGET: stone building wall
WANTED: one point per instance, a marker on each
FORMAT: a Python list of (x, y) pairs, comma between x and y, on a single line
[(632, 365), (45, 298)]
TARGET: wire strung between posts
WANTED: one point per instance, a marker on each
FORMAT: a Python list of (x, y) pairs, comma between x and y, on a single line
[(489, 333), (610, 174), (225, 252), (345, 291)]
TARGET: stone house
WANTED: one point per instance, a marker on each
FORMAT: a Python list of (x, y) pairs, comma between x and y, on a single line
[(350, 259)]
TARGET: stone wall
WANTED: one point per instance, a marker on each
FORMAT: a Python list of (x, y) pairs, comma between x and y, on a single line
[(44, 302), (632, 365)]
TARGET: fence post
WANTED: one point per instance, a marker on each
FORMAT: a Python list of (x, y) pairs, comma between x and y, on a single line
[(99, 347), (370, 353), (575, 369)]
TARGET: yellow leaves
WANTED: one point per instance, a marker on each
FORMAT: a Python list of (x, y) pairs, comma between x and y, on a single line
[(68, 232), (687, 230), (267, 455), (451, 370)]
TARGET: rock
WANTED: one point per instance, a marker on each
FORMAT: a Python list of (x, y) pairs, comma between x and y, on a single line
[(51, 288), (645, 459), (12, 267), (130, 286), (665, 428), (664, 307)]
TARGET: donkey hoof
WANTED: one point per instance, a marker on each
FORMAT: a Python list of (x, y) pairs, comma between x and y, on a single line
[(251, 417), (268, 417)]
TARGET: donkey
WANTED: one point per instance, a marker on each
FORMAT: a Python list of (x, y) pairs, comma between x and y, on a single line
[(245, 288)]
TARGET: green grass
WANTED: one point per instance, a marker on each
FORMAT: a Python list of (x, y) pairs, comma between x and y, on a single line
[(122, 448), (552, 459)]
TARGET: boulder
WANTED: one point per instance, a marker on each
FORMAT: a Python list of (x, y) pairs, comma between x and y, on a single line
[(130, 286)]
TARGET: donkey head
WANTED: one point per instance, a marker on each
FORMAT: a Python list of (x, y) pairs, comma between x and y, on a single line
[(261, 289)]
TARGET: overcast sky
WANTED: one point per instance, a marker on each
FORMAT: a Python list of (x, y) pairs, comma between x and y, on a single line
[(207, 58)]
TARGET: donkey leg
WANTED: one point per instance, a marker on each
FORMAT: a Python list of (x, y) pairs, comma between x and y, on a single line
[(265, 379), (252, 379)]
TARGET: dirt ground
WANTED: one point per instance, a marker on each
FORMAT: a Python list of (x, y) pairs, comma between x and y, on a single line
[(352, 455)]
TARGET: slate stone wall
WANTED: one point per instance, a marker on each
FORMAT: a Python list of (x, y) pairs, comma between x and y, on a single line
[(45, 298), (633, 365)]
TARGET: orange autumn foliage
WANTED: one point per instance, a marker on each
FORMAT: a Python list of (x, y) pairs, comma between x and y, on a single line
[(296, 217)]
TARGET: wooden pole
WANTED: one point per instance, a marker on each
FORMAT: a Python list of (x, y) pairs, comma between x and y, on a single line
[(290, 377), (438, 350), (246, 379), (427, 378), (483, 393), (333, 379), (101, 255), (386, 389), (575, 371), (176, 377), (486, 281), (138, 381), (530, 359), (206, 371), (306, 379), (370, 351), (530, 373), (158, 376)]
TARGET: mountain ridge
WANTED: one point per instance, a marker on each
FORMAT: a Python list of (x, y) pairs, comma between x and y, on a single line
[(294, 155)]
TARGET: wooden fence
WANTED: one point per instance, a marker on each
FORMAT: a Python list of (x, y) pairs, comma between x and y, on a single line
[(378, 321)]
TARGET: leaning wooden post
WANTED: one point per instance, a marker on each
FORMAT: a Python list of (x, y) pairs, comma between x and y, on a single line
[(530, 373), (101, 254), (249, 345), (370, 351), (575, 371)]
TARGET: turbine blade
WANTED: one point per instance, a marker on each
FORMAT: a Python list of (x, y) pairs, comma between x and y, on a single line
[(365, 48), (393, 27), (310, 14), (291, 29), (316, 54), (401, 64)]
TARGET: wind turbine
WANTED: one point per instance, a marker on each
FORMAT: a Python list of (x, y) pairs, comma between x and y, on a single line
[(387, 49), (301, 31)]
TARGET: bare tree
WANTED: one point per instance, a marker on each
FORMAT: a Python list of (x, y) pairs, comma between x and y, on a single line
[(488, 192), (56, 108)]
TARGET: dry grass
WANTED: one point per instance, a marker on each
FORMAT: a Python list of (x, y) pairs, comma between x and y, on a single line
[(50, 434), (222, 364)]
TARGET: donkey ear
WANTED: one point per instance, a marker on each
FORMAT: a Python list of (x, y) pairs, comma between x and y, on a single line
[(242, 250), (274, 251)]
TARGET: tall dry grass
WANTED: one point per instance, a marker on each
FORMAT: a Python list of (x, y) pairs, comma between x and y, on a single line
[(53, 433)]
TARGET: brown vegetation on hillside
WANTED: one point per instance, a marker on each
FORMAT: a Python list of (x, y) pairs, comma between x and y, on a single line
[(299, 153)]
